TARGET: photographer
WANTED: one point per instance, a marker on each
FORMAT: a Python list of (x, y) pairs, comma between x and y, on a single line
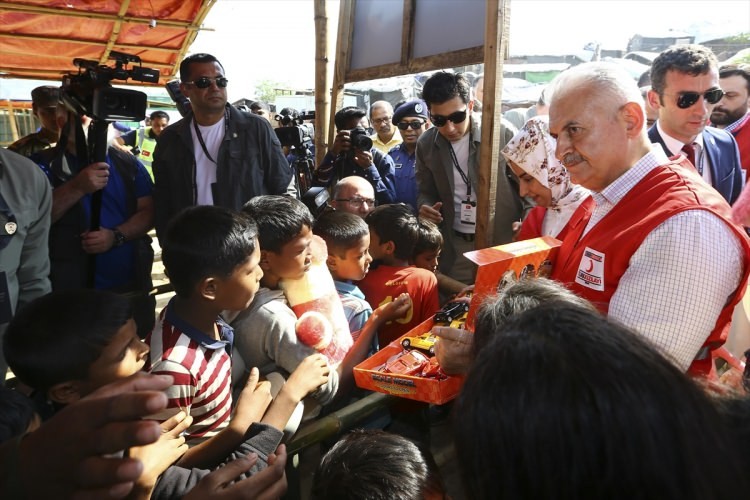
[(120, 248), (352, 153)]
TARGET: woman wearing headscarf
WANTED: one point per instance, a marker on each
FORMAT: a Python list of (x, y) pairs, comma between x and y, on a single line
[(543, 179)]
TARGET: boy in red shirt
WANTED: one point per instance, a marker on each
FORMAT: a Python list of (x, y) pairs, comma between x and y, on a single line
[(394, 230)]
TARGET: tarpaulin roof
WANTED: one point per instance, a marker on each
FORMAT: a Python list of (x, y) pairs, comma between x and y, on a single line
[(40, 38)]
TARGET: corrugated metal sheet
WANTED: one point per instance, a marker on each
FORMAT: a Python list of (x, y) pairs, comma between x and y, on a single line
[(40, 38)]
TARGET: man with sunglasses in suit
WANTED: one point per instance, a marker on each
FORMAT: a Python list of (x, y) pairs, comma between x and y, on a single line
[(447, 172), (684, 89), (411, 119), (217, 154)]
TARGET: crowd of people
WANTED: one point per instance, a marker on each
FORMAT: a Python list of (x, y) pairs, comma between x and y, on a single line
[(593, 384)]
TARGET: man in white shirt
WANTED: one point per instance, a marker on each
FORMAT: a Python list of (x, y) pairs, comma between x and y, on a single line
[(685, 89), (216, 155), (447, 172), (659, 252)]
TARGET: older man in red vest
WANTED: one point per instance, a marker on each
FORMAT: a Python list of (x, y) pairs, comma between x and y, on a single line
[(659, 252)]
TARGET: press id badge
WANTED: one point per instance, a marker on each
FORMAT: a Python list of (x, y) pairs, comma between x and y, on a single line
[(469, 212)]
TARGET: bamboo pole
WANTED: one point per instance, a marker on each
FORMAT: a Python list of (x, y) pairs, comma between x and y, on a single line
[(342, 60), (322, 80), (495, 41), (339, 421)]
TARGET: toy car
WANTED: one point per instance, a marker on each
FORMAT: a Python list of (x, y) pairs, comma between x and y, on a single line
[(450, 311), (407, 363), (426, 342)]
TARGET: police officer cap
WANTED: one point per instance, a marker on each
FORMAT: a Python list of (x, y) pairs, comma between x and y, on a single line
[(45, 96), (416, 107)]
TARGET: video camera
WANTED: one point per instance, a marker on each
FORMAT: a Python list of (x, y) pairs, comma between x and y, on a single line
[(90, 93), (300, 135)]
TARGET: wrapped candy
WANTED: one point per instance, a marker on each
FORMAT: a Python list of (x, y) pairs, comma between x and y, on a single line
[(321, 322)]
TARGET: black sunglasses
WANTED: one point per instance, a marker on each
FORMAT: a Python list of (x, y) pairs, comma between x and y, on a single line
[(687, 99), (204, 82), (414, 125), (457, 117)]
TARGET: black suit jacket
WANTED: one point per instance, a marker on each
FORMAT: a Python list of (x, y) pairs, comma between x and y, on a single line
[(723, 156)]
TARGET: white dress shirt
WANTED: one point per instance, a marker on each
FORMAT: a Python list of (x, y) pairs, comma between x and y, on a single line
[(679, 279)]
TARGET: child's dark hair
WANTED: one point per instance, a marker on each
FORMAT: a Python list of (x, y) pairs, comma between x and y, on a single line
[(206, 241), (430, 239), (341, 231), (558, 372), (397, 223), (280, 219), (57, 337), (16, 413), (369, 464)]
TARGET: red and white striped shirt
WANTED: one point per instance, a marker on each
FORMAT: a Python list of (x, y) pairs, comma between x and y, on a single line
[(201, 367)]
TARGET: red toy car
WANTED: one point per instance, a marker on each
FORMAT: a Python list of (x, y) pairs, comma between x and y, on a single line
[(407, 363)]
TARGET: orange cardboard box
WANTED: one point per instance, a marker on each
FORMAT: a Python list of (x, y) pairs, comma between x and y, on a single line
[(428, 390), (496, 264), (503, 264)]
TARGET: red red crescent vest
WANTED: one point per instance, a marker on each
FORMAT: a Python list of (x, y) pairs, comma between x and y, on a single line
[(532, 224), (665, 191)]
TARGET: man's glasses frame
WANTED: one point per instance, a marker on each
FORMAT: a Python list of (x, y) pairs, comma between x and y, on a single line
[(688, 99), (357, 201), (204, 82), (457, 117), (414, 125)]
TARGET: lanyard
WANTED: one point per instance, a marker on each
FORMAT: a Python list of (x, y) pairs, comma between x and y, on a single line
[(200, 136), (464, 177)]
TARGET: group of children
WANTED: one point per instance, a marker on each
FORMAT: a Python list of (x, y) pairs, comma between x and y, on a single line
[(230, 312)]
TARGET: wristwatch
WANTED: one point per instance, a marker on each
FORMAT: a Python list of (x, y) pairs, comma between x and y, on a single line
[(119, 238)]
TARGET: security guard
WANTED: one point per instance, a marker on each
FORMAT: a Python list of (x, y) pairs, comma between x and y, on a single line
[(411, 120), (143, 140)]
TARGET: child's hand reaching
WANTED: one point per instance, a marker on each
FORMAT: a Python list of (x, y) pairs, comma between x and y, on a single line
[(307, 377), (252, 403), (156, 457), (396, 309)]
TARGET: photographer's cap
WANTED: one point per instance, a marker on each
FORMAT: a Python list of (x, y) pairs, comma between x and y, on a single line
[(416, 108), (45, 96)]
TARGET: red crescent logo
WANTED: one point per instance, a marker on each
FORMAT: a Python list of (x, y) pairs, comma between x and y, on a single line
[(591, 266)]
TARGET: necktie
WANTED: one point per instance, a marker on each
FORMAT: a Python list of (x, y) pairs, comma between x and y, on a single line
[(689, 151)]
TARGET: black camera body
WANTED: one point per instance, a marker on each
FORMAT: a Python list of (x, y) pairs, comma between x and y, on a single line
[(296, 136), (360, 139), (90, 93), (295, 132)]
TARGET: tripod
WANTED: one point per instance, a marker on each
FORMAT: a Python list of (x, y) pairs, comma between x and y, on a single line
[(302, 168)]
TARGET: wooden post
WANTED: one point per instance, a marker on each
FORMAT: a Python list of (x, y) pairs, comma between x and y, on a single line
[(495, 43), (322, 80), (342, 59)]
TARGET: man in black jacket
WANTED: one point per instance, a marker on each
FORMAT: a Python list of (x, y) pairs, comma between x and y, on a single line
[(217, 155)]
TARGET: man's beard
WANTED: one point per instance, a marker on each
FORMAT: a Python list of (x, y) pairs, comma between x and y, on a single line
[(725, 117)]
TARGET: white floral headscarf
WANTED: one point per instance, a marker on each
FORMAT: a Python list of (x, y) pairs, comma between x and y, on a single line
[(533, 150)]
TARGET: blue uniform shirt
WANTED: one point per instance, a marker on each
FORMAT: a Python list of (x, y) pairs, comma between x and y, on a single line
[(114, 267), (406, 181)]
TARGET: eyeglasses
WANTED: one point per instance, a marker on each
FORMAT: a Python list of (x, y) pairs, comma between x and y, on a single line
[(414, 125), (204, 82), (357, 201), (385, 119), (440, 121), (687, 99)]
